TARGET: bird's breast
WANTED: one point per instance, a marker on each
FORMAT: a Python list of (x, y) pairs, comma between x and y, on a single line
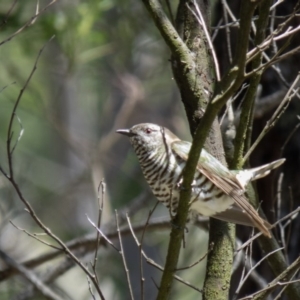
[(163, 173)]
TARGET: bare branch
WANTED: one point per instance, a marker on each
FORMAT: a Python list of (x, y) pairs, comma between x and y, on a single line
[(282, 280), (35, 236), (31, 277), (198, 261), (8, 13), (291, 215), (200, 19), (140, 245), (13, 114), (275, 117), (123, 257), (256, 276), (251, 270), (103, 235), (50, 275), (100, 203), (226, 10), (153, 263), (28, 23)]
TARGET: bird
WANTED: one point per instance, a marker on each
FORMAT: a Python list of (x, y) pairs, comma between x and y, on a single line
[(216, 191)]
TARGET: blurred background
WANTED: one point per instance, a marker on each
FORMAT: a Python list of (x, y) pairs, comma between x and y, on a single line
[(108, 68)]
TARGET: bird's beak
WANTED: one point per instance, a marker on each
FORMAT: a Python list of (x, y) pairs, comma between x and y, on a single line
[(126, 132)]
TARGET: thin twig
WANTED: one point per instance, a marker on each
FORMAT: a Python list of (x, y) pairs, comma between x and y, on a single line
[(253, 268), (264, 292), (90, 287), (20, 135), (279, 296), (141, 247), (100, 210), (49, 276), (123, 257), (273, 36), (141, 255), (244, 266), (87, 242), (34, 235), (103, 235), (255, 276), (289, 138), (275, 4), (227, 30), (216, 30), (28, 23), (289, 222), (273, 60), (288, 216), (13, 114), (8, 13), (154, 264), (31, 277), (228, 10), (198, 261), (280, 225), (200, 19), (10, 177), (275, 117), (272, 25)]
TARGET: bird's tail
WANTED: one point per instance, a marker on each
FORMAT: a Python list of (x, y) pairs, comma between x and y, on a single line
[(238, 216), (244, 176), (264, 170)]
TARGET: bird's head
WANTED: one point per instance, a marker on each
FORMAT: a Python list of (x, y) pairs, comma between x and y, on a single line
[(148, 136)]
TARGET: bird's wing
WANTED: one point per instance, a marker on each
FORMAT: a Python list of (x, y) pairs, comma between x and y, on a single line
[(209, 163), (224, 180)]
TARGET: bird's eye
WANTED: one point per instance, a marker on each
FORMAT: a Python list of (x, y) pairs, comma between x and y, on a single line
[(148, 130)]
